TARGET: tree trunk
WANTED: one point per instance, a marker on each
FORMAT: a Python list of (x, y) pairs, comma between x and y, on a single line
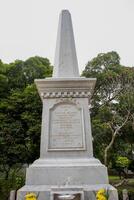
[(114, 133), (107, 149)]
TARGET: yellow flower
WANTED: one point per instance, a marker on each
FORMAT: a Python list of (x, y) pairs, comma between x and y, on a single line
[(101, 191), (101, 198), (30, 196), (101, 195)]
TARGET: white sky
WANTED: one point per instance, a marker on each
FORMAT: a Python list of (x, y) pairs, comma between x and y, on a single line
[(29, 28)]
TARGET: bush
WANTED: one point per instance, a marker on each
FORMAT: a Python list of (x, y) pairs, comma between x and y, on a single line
[(14, 182)]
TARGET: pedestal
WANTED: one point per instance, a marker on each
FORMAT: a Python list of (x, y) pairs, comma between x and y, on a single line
[(66, 164)]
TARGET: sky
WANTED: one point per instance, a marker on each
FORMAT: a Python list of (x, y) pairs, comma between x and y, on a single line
[(29, 28)]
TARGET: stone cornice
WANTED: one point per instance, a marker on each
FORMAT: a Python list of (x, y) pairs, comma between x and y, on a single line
[(65, 87)]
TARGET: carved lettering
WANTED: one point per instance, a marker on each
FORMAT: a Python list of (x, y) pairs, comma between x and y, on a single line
[(66, 127)]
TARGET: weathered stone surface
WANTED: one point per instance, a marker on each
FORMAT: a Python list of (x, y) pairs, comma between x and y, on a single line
[(87, 191), (65, 87), (12, 195), (58, 174), (66, 162), (79, 103), (66, 64), (66, 127)]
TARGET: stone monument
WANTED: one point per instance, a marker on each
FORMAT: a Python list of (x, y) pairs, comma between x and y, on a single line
[(66, 167)]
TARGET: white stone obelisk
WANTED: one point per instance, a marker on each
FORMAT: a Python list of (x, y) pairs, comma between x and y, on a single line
[(66, 64), (66, 164)]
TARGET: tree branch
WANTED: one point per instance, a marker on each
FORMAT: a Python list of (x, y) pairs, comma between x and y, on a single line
[(114, 134)]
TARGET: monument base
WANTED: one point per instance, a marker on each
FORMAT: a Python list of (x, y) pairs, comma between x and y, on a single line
[(66, 171), (88, 192), (66, 176)]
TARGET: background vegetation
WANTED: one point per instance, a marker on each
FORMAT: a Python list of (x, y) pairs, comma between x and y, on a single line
[(112, 115)]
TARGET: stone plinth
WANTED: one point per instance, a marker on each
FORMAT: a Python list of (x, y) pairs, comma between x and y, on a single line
[(66, 154), (88, 192)]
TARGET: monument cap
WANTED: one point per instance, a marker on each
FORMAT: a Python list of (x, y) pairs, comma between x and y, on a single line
[(65, 64)]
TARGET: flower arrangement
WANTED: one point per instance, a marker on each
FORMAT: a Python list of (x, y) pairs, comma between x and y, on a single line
[(30, 196), (101, 195)]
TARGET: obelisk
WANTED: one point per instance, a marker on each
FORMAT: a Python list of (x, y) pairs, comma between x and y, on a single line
[(66, 164), (66, 64)]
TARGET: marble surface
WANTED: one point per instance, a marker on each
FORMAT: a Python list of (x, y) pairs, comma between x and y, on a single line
[(66, 127), (87, 191), (66, 160), (66, 64)]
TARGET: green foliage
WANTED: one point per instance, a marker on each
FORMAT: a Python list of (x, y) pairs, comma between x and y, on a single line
[(20, 115), (131, 165), (112, 102), (14, 181), (22, 73), (122, 162)]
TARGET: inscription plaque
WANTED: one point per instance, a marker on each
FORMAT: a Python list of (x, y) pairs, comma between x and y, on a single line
[(66, 130)]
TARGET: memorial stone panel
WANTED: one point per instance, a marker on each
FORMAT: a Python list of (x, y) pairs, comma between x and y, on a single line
[(66, 129)]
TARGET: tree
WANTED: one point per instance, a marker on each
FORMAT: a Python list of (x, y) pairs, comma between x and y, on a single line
[(112, 102), (20, 114), (3, 78), (22, 73)]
